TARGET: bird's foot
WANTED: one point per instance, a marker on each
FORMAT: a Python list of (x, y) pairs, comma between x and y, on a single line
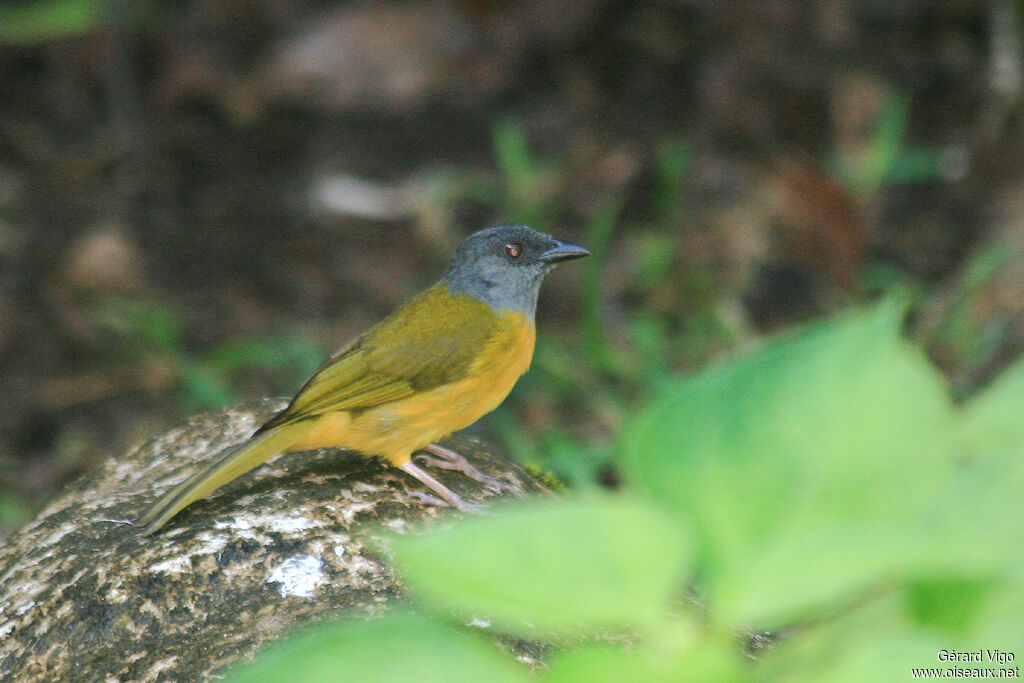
[(448, 497), (428, 499), (448, 459), (461, 505)]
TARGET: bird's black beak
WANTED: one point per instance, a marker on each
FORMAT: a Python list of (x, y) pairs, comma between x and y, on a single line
[(562, 251)]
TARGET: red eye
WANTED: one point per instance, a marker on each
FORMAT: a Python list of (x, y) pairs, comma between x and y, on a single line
[(513, 249)]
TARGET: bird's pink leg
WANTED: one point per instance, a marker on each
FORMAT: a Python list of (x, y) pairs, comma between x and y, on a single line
[(450, 497), (447, 459)]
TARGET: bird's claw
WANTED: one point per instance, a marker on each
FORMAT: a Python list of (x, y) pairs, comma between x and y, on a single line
[(448, 459), (459, 504)]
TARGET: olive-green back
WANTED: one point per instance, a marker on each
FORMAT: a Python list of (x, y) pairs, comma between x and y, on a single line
[(431, 340)]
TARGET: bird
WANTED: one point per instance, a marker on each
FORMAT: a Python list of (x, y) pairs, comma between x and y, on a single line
[(435, 365)]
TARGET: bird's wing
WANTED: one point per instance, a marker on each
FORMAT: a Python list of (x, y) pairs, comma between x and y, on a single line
[(432, 340)]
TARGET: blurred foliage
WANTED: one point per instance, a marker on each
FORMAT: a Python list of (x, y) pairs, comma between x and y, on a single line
[(530, 189), (617, 361), (975, 324), (41, 21), (14, 512), (824, 488), (209, 379), (430, 652), (886, 158)]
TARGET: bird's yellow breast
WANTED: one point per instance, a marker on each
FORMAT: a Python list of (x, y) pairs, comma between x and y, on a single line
[(396, 429)]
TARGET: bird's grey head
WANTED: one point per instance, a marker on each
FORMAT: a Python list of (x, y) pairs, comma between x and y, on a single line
[(503, 266)]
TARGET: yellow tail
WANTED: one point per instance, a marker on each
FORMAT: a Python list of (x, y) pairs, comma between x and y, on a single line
[(232, 463)]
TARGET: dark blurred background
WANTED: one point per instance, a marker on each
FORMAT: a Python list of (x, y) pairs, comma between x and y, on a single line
[(199, 200)]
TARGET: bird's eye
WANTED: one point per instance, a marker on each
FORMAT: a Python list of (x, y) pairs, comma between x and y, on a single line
[(513, 250)]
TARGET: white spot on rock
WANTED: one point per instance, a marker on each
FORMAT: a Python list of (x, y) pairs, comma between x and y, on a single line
[(248, 525), (56, 535), (174, 565), (298, 576), (207, 544), (163, 664), (292, 524)]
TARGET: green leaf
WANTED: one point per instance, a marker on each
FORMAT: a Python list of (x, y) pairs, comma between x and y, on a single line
[(669, 660), (807, 465), (1000, 624), (951, 603), (874, 643), (989, 515), (403, 647), (883, 641), (566, 566), (992, 418)]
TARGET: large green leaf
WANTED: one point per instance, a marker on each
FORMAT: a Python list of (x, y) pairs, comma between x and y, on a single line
[(668, 660), (567, 566), (994, 470), (807, 465), (874, 643), (994, 418), (1000, 624), (883, 640), (398, 647)]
